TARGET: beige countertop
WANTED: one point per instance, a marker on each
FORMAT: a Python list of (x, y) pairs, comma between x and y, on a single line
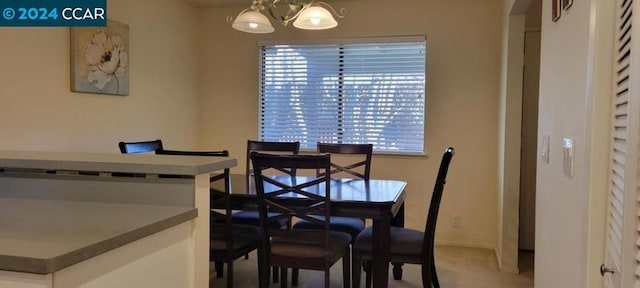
[(43, 236), (111, 162)]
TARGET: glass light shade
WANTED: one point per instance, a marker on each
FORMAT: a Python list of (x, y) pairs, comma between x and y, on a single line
[(252, 21), (315, 18)]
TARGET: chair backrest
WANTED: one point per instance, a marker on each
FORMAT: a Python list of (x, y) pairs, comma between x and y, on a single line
[(139, 147), (221, 221), (270, 190), (434, 207), (222, 153), (360, 169), (291, 148)]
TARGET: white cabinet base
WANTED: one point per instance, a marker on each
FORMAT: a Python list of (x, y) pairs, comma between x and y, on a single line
[(12, 279), (162, 260)]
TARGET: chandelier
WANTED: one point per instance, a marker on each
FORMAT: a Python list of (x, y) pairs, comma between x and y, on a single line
[(305, 14)]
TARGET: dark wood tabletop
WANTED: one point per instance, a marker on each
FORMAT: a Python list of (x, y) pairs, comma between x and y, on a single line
[(376, 199)]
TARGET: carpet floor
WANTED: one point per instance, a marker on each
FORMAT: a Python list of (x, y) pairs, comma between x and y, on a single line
[(456, 267)]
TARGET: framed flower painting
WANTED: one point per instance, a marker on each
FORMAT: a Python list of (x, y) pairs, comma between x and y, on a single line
[(100, 59)]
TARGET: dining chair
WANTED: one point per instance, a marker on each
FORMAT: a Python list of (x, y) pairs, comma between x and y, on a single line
[(272, 148), (359, 167), (222, 153), (246, 217), (139, 147), (301, 249), (135, 148), (252, 217), (227, 241), (408, 245)]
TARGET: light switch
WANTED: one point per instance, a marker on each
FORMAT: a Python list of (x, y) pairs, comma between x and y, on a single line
[(544, 154), (567, 157)]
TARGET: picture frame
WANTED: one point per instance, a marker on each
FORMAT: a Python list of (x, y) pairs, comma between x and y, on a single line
[(100, 59), (566, 4), (556, 10)]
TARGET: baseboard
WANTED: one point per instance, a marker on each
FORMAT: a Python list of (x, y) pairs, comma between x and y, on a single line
[(487, 246), (509, 270), (467, 245)]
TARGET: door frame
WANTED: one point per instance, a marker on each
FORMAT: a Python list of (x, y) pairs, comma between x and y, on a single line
[(600, 52), (528, 206)]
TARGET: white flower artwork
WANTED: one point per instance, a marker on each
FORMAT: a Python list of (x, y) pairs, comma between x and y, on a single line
[(100, 59)]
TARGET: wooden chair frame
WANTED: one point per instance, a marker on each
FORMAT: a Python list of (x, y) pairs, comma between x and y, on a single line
[(315, 203), (139, 147), (426, 257), (222, 223), (269, 147), (353, 149)]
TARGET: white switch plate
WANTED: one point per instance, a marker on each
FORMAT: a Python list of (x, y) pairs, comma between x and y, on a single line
[(567, 157), (544, 154)]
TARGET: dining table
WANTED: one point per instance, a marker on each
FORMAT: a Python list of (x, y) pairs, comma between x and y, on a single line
[(380, 200)]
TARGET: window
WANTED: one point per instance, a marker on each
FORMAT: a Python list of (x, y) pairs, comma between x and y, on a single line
[(345, 93)]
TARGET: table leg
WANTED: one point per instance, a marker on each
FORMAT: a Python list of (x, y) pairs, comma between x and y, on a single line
[(398, 221), (380, 263)]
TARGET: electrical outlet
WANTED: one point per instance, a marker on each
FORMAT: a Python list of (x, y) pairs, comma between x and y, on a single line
[(456, 222)]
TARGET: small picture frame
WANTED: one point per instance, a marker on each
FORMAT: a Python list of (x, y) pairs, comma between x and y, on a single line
[(556, 9), (566, 4)]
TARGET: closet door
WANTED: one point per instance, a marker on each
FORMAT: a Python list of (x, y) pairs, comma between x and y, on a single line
[(621, 267)]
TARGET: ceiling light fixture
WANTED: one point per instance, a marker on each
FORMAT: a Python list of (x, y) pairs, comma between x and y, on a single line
[(305, 14)]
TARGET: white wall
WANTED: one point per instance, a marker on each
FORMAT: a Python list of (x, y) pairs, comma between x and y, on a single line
[(574, 100), (194, 81), (38, 111), (463, 77), (509, 138)]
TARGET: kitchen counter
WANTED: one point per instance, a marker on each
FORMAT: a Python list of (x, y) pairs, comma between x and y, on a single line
[(124, 163), (105, 220), (44, 236)]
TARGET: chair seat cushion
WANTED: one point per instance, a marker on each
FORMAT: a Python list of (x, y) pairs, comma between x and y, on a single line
[(403, 241), (351, 226), (291, 247), (243, 236), (252, 218)]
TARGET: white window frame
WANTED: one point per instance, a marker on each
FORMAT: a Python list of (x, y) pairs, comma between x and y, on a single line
[(369, 40)]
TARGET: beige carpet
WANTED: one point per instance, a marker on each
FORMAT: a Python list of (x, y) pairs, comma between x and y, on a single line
[(457, 267)]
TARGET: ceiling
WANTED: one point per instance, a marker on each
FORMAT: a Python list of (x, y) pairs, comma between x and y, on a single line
[(222, 3), (218, 3)]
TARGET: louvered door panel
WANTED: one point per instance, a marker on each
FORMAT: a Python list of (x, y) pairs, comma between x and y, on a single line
[(620, 143), (628, 67)]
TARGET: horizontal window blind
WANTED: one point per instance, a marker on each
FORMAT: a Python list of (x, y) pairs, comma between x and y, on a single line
[(344, 93)]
